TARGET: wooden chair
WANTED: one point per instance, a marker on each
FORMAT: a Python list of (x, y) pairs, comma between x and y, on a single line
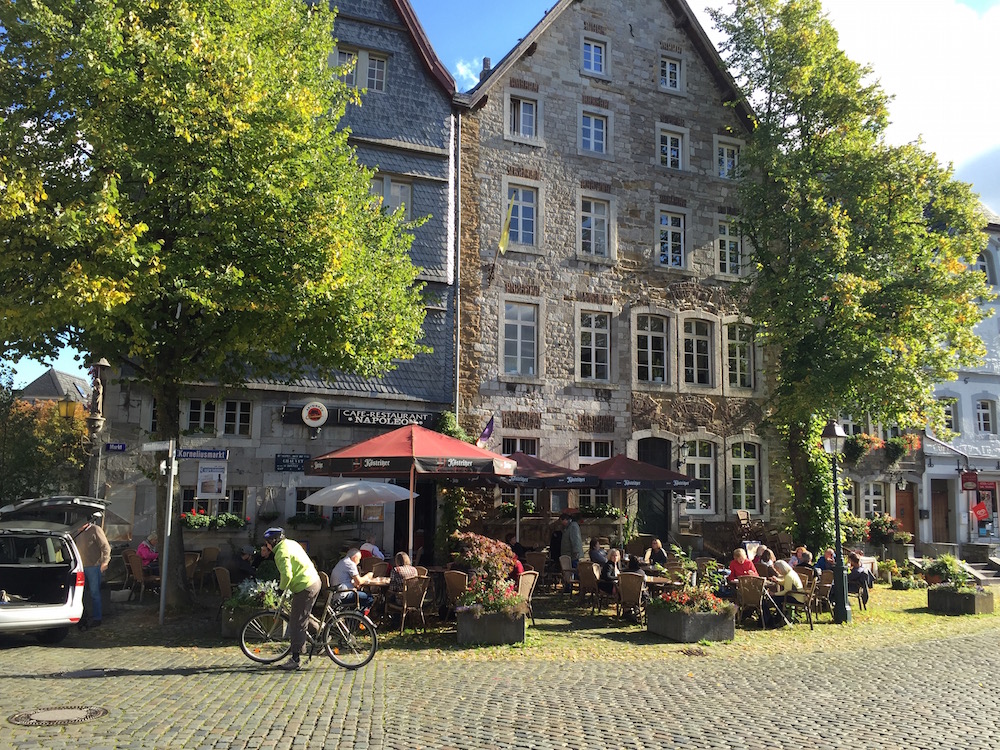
[(206, 565), (141, 579), (526, 588), (568, 573), (782, 545), (539, 561), (806, 573), (792, 604), (631, 587), (762, 570), (324, 583), (225, 583), (191, 566), (455, 583), (824, 589), (588, 573), (380, 569), (750, 597), (414, 592)]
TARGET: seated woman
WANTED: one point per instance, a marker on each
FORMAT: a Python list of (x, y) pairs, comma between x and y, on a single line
[(397, 579), (609, 573), (859, 580), (597, 555), (149, 555), (634, 566), (740, 565), (785, 583), (657, 555)]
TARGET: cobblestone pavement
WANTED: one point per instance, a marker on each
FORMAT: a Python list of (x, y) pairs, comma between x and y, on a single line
[(936, 694)]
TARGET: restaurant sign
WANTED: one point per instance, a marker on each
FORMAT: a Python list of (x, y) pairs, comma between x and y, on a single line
[(313, 415), (970, 480)]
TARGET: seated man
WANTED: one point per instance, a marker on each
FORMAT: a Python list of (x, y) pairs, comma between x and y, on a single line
[(370, 549), (346, 580)]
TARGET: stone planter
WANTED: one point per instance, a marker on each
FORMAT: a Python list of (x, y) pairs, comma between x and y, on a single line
[(690, 627), (489, 629), (950, 602), (232, 620)]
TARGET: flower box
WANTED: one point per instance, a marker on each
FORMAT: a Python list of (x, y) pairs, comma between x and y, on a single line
[(489, 628), (946, 601), (232, 620), (691, 627)]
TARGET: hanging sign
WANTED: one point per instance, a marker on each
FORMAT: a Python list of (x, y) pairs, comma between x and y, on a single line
[(212, 480), (315, 414), (980, 511), (970, 480)]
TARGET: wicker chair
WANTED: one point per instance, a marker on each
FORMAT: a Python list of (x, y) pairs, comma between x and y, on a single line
[(455, 582), (539, 561), (414, 592), (380, 569), (225, 583), (526, 588), (141, 579), (750, 597), (206, 565), (568, 573), (792, 605), (588, 573), (631, 590), (824, 589)]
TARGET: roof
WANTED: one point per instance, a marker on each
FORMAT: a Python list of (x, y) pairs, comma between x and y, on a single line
[(427, 54), (686, 20), (52, 385), (992, 219)]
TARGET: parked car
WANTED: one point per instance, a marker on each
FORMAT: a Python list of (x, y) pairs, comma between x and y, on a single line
[(41, 573)]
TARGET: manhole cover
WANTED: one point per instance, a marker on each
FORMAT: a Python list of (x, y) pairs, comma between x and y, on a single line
[(47, 717)]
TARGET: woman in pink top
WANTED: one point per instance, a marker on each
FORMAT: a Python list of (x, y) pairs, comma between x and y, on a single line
[(148, 555)]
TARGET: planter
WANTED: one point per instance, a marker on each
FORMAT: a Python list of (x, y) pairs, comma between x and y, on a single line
[(690, 627), (950, 602), (489, 629), (232, 620)]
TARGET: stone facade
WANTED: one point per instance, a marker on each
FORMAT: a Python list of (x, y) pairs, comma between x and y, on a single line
[(612, 322), (406, 132)]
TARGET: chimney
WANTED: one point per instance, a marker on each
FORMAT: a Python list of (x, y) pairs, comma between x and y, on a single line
[(486, 67)]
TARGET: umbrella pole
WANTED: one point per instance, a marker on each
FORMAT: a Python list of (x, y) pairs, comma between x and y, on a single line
[(413, 473), (517, 518)]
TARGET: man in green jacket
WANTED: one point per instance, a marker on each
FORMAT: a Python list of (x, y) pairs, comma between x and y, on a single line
[(298, 575)]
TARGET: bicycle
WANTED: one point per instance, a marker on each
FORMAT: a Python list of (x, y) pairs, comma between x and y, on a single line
[(346, 634)]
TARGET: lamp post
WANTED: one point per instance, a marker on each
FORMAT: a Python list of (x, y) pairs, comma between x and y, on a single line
[(95, 425), (834, 438)]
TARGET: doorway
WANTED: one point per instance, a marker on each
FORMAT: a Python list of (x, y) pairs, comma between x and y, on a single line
[(654, 505), (940, 520), (905, 510)]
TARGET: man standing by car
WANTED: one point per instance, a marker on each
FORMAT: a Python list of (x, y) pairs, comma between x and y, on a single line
[(298, 575), (95, 553)]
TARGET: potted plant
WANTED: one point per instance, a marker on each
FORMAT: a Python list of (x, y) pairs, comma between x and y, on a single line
[(953, 594), (250, 596), (306, 521), (691, 614), (490, 612), (267, 516), (196, 520)]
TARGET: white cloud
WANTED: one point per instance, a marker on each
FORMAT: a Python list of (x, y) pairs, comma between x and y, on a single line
[(467, 73)]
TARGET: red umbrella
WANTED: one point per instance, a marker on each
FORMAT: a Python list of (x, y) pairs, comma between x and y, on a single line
[(625, 473), (408, 451)]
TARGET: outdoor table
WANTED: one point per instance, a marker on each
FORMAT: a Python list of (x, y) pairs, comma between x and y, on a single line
[(656, 584), (377, 587)]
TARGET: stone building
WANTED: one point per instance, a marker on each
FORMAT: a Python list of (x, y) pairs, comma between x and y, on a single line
[(602, 148), (405, 130)]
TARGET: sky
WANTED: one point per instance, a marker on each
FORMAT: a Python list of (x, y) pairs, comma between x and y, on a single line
[(935, 57)]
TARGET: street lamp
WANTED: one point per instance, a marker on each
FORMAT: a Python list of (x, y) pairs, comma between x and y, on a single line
[(834, 438), (67, 406)]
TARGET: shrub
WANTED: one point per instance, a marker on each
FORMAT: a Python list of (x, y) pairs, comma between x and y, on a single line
[(489, 563), (948, 568), (602, 511), (857, 447), (254, 593), (855, 529), (881, 529), (196, 520)]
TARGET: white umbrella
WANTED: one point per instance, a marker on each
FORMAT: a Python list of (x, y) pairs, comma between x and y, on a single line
[(358, 492)]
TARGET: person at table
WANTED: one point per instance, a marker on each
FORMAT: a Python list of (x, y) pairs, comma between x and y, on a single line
[(596, 554), (608, 581), (740, 565), (795, 558), (759, 553), (519, 549), (245, 568), (767, 559), (827, 561), (657, 555), (806, 558), (785, 583), (345, 579), (859, 580), (635, 566), (516, 570), (149, 555), (401, 572), (370, 549)]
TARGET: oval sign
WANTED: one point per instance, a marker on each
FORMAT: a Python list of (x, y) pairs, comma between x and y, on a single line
[(314, 414)]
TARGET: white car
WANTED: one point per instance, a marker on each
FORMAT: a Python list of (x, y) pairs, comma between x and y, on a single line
[(41, 573)]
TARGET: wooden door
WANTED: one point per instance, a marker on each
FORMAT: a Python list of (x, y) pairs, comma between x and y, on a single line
[(905, 512), (939, 512)]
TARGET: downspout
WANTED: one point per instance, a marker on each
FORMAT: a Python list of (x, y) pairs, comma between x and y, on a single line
[(457, 150)]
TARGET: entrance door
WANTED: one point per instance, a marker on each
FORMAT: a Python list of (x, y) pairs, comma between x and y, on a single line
[(654, 505), (905, 510), (939, 511)]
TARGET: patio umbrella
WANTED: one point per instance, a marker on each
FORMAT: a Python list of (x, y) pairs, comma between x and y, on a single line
[(408, 451), (621, 472), (534, 473), (357, 492)]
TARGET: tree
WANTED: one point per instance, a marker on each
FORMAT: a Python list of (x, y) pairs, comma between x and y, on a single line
[(40, 452), (862, 289), (176, 196)]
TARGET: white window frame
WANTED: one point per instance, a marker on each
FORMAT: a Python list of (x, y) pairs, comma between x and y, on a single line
[(663, 74), (591, 146), (522, 328), (510, 121), (984, 263), (594, 228), (394, 192), (579, 310), (740, 356), (364, 62), (721, 166), (588, 65), (644, 346), (701, 464), (682, 161), (517, 183), (376, 72), (197, 413), (745, 475), (986, 416), (348, 59), (676, 237), (611, 225), (697, 352), (237, 418), (592, 452), (873, 498), (728, 243)]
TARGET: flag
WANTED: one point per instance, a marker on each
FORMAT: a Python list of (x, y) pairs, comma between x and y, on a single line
[(487, 431), (505, 234)]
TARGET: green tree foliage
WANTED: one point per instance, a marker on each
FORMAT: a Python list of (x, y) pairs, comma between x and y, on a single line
[(862, 290), (40, 452), (175, 194)]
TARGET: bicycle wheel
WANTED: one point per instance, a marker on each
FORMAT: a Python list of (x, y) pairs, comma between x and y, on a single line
[(264, 637), (350, 639)]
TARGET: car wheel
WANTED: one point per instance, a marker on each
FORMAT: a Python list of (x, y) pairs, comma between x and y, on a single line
[(49, 637)]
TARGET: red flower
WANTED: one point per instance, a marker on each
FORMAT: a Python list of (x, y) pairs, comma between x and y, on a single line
[(183, 515)]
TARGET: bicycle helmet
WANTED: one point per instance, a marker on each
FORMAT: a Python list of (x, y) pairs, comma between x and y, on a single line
[(274, 534)]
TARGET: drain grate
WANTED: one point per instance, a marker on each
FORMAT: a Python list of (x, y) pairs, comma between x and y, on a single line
[(48, 717)]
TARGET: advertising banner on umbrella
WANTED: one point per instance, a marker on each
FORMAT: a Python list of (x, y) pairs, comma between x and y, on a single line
[(621, 472)]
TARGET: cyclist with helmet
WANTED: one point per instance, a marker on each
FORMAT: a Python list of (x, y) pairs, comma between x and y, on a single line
[(298, 575)]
